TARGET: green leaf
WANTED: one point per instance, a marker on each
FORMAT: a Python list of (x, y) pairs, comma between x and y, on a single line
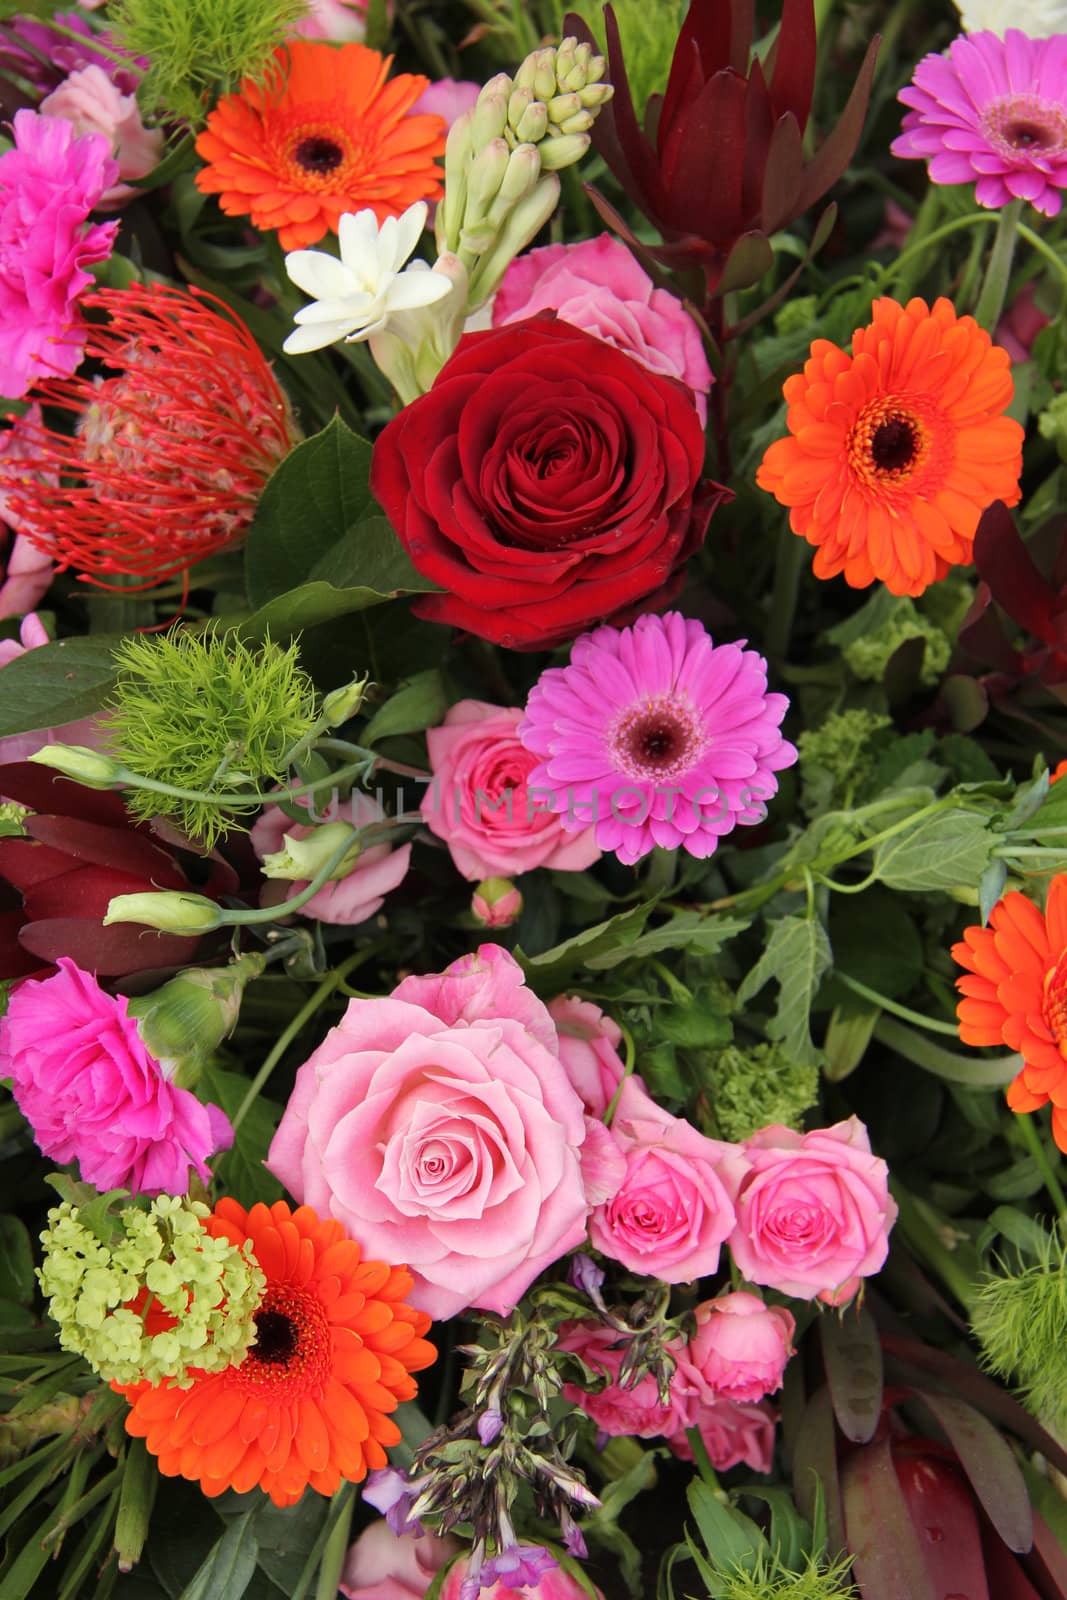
[(853, 1359), (687, 930), (418, 703), (550, 971), (17, 1281), (730, 1538), (240, 1170), (797, 955), (949, 850), (228, 1570), (694, 1026), (876, 942), (56, 683)]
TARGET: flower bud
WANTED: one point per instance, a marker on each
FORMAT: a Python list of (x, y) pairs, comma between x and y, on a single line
[(525, 221), (563, 152), (484, 178), (85, 766), (581, 122), (562, 106), (188, 1018), (169, 911), (496, 903), (490, 115), (343, 703), (538, 73), (519, 101), (523, 171), (533, 124), (304, 858)]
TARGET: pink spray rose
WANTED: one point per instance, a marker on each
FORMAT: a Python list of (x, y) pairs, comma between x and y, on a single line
[(49, 183), (439, 1126), (741, 1346), (339, 20), (479, 804), (733, 1431), (352, 899), (382, 1565), (674, 1207), (92, 103), (589, 1049), (813, 1210), (92, 1093), (599, 286), (637, 1410), (448, 98)]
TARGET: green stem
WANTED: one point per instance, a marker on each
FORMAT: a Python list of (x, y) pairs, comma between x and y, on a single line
[(285, 1039), (788, 568), (702, 1461), (976, 219), (630, 1063), (976, 1073), (918, 1228), (243, 919), (1036, 1145), (1035, 241), (241, 797), (998, 273), (333, 1556), (895, 1008)]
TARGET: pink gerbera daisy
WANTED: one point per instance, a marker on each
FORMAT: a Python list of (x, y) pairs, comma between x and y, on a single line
[(992, 112), (657, 736)]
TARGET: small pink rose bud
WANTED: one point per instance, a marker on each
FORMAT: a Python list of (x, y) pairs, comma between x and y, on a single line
[(496, 903), (842, 1295), (741, 1346)]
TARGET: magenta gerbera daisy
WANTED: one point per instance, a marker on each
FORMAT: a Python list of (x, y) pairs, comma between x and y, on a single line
[(656, 736), (992, 112)]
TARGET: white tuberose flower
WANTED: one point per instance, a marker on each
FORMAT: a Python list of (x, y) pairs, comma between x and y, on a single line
[(1038, 18), (355, 297)]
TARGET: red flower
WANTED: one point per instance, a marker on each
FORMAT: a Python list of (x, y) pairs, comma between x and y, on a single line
[(722, 160), (545, 482)]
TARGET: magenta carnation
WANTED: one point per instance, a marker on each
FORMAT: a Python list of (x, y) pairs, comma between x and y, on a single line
[(657, 737), (992, 112), (93, 1094), (49, 183)]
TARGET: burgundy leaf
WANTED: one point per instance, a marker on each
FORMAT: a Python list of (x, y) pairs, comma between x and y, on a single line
[(853, 1359), (889, 1561), (990, 1466), (118, 848), (109, 952), (1006, 565), (44, 790), (838, 148), (782, 174), (946, 1525), (793, 73)]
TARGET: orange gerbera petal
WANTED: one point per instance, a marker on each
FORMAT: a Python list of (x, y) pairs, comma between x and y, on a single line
[(325, 134), (1015, 994), (308, 1403), (896, 450)]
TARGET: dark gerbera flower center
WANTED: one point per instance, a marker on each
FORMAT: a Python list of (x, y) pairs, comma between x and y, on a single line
[(276, 1337), (1023, 124), (894, 444), (319, 154), (1023, 135), (658, 738), (890, 443), (292, 1350)]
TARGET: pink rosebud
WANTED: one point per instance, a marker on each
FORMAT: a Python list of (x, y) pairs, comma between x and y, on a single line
[(741, 1346), (92, 103), (733, 1431), (588, 1048), (636, 1410), (843, 1295), (352, 899), (496, 903), (382, 1565)]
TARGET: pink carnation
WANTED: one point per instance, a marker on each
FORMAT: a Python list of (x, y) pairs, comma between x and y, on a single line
[(382, 1565), (814, 1209), (599, 286), (93, 1094), (733, 1432), (589, 1049), (674, 1207), (635, 1411), (92, 103), (439, 1126), (741, 1346), (49, 183), (479, 802), (352, 899)]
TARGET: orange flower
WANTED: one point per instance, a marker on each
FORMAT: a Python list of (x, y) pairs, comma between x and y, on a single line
[(1015, 993), (897, 449), (335, 1349), (324, 134)]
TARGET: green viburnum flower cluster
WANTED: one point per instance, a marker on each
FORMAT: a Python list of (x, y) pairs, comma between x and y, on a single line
[(199, 49), (837, 758), (210, 1286), (206, 712), (752, 1088), (1018, 1320), (869, 655)]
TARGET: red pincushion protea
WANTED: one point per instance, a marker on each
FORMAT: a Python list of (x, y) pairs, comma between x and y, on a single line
[(171, 448)]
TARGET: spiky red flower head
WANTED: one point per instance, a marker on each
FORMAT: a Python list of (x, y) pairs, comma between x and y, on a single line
[(172, 444)]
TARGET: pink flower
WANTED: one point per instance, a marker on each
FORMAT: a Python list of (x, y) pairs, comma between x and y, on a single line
[(674, 1207), (49, 183), (813, 1210), (599, 286), (741, 1346), (637, 1410), (92, 103), (496, 903), (588, 1048), (733, 1432), (439, 1126), (480, 805), (555, 1584), (657, 736), (382, 1565), (377, 871), (93, 1094), (448, 98), (339, 20), (28, 570)]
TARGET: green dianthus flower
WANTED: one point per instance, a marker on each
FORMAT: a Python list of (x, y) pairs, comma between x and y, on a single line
[(753, 1088)]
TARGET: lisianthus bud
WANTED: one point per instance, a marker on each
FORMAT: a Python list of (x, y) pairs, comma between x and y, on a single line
[(188, 1018), (170, 911), (304, 858), (496, 903), (77, 761)]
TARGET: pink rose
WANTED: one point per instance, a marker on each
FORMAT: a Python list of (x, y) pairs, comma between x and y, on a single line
[(92, 1093), (741, 1346), (813, 1210), (439, 1126), (588, 1048), (599, 286), (554, 1584), (384, 1566), (496, 903), (733, 1431), (674, 1207), (479, 805), (352, 899), (339, 20), (448, 98), (636, 1410), (93, 104)]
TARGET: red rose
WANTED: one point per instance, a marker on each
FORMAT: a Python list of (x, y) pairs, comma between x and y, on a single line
[(546, 482)]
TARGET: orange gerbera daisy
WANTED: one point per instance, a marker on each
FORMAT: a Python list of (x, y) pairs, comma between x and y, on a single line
[(1015, 993), (335, 1348), (898, 448), (324, 134)]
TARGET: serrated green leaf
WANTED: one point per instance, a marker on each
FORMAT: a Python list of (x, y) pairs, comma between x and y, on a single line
[(687, 930), (549, 971), (418, 703), (949, 850), (229, 1567), (797, 955), (57, 683)]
